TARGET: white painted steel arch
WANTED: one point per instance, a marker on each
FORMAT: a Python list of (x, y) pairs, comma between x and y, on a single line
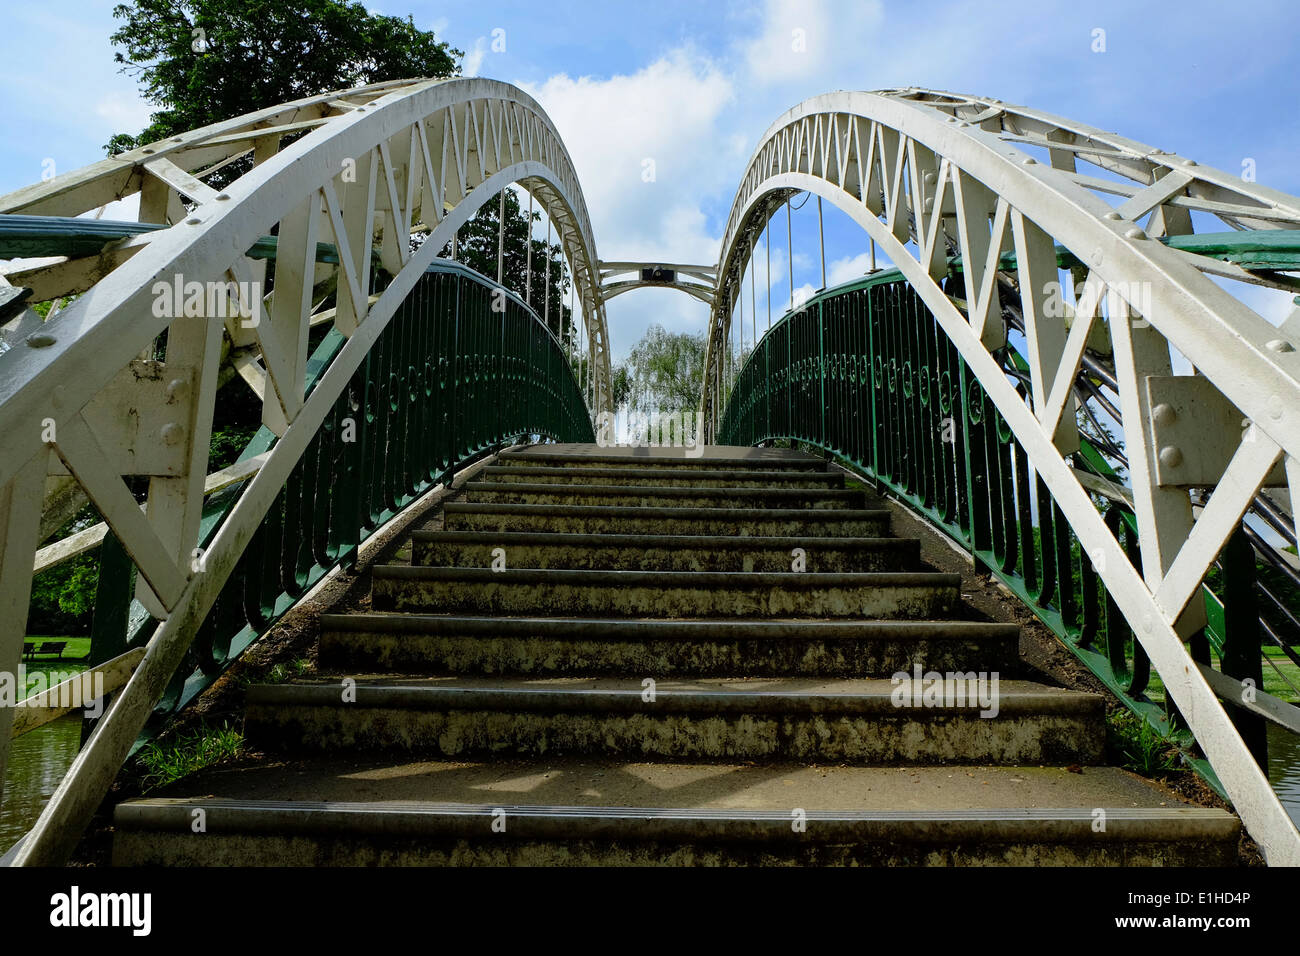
[(702, 288), (928, 175), (369, 167)]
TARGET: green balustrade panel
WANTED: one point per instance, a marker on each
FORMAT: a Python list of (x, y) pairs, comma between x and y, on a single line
[(461, 369), (865, 372)]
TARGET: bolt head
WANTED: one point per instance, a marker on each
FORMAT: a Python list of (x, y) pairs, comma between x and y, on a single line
[(1171, 456), (1164, 414), (171, 433)]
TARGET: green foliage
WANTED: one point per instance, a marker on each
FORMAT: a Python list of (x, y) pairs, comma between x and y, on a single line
[(476, 247), (204, 61), (63, 597), (621, 386), (665, 369), (187, 753), (227, 443), (1138, 746), (286, 671)]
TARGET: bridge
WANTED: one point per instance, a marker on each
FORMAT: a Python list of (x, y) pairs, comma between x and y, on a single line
[(732, 651)]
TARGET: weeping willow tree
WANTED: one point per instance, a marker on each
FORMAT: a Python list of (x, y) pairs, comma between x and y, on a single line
[(665, 370)]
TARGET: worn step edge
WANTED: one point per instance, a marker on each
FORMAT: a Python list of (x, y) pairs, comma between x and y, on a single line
[(715, 580), (735, 515), (659, 491), (541, 473), (520, 698), (633, 629), (729, 463), (1019, 825), (702, 542)]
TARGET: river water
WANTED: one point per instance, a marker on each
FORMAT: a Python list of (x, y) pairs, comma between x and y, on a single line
[(1284, 768), (37, 763)]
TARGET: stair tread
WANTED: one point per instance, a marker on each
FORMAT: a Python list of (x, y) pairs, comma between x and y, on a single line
[(719, 790)]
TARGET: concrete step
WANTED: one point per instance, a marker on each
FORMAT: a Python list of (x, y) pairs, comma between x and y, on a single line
[(722, 522), (548, 593), (662, 477), (712, 457), (634, 552), (332, 812), (418, 644), (840, 721), (633, 496)]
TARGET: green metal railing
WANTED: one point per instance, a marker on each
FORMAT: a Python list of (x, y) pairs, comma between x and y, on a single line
[(864, 372), (462, 369)]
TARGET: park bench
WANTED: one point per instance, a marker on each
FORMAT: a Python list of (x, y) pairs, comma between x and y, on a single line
[(46, 647)]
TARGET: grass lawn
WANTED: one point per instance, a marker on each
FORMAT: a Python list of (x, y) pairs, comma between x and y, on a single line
[(1273, 682), (78, 647)]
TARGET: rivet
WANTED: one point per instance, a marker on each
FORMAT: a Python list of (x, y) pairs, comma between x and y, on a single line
[(177, 389), (1030, 161), (171, 433), (1171, 456), (1280, 345), (1189, 162), (193, 221), (1111, 215), (40, 340), (1275, 407), (1135, 233), (1164, 414), (222, 197)]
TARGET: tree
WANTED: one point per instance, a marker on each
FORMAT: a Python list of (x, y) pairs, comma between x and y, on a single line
[(476, 246), (204, 61), (666, 370)]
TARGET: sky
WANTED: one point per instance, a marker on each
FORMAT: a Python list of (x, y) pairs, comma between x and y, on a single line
[(693, 85)]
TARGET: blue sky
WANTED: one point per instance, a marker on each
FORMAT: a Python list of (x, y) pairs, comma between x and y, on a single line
[(692, 85)]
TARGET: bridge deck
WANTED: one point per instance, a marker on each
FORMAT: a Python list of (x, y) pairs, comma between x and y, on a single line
[(556, 711)]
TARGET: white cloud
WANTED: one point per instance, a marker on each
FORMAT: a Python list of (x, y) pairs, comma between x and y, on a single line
[(803, 294), (801, 39), (123, 110), (473, 61), (648, 150), (851, 267)]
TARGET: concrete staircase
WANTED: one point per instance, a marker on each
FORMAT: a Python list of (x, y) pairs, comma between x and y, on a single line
[(608, 656)]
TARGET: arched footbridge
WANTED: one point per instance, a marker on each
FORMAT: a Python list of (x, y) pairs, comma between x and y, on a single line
[(1058, 371)]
